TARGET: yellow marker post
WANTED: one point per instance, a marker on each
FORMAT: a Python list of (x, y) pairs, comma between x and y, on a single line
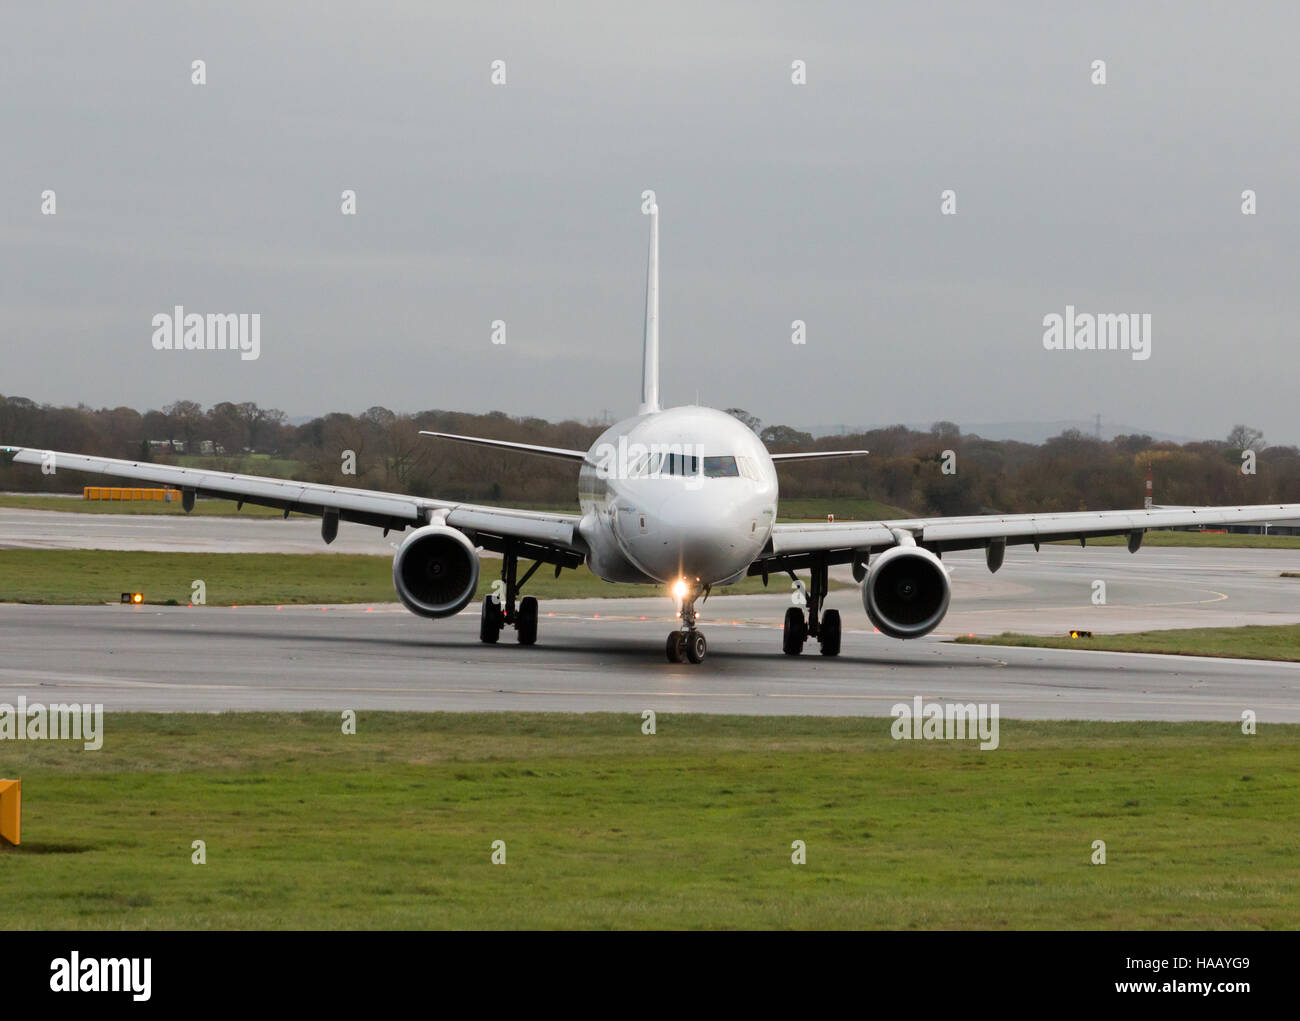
[(11, 810)]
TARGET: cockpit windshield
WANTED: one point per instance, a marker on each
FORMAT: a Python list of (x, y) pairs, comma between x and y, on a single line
[(717, 466)]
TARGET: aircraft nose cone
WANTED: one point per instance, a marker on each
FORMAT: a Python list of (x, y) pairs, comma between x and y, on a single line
[(695, 538)]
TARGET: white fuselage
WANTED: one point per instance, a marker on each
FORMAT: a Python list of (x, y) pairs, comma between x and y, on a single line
[(686, 493)]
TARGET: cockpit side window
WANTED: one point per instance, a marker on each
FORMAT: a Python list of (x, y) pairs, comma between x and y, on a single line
[(721, 467)]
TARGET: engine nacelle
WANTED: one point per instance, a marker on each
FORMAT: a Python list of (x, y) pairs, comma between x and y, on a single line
[(906, 592), (435, 571)]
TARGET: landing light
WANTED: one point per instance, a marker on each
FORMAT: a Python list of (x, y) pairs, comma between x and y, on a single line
[(680, 589)]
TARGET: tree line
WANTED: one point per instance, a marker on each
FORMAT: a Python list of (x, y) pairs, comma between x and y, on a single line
[(935, 471)]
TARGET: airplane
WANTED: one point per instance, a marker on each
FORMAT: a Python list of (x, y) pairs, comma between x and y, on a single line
[(684, 497)]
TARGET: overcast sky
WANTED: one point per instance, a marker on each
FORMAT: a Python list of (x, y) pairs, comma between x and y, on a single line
[(478, 202)]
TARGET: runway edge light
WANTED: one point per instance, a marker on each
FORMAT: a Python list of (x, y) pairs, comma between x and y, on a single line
[(11, 811)]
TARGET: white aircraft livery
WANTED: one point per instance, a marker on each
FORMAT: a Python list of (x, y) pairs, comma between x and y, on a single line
[(683, 497)]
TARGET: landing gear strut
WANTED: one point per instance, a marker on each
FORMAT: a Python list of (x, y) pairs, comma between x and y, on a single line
[(499, 610), (687, 643), (825, 627)]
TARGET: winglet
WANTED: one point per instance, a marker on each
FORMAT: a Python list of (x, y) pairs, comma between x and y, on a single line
[(650, 352)]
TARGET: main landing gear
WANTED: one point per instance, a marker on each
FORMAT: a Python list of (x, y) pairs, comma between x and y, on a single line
[(686, 643), (825, 627), (499, 609)]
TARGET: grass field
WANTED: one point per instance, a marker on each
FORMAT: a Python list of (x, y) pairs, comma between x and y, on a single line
[(1251, 642), (844, 510), (605, 827), (246, 579), (242, 464)]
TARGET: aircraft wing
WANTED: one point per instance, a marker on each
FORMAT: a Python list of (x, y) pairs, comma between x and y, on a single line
[(797, 544), (537, 535)]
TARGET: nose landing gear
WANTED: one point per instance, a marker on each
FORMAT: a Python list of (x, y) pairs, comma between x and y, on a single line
[(686, 643)]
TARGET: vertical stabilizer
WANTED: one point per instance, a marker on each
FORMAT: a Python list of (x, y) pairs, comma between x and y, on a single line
[(650, 353)]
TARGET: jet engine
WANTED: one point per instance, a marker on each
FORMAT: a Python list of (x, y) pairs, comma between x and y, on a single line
[(435, 571), (906, 592)]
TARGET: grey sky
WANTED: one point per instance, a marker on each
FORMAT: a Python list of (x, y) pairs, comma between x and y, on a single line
[(778, 203)]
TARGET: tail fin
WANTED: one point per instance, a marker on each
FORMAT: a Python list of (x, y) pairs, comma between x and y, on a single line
[(650, 354)]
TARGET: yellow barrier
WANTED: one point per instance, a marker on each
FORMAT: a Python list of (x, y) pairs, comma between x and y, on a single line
[(109, 493), (11, 810)]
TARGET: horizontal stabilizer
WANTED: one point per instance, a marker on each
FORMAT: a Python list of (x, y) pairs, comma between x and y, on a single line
[(522, 448), (816, 455)]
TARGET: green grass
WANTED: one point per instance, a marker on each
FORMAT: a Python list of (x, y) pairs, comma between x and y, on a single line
[(605, 827), (816, 509), (245, 579), (1226, 540), (242, 464), (1253, 642)]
